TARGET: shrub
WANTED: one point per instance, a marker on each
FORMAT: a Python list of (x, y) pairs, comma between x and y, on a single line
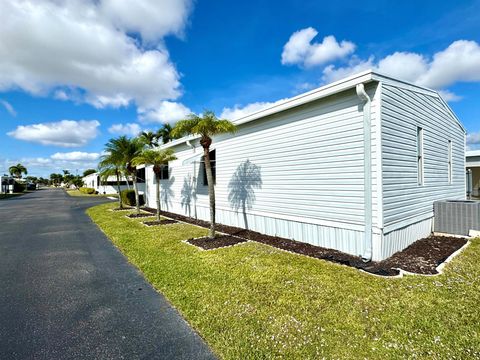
[(87, 190), (128, 197), (18, 187)]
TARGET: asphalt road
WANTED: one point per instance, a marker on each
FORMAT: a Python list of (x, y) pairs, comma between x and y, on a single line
[(67, 293)]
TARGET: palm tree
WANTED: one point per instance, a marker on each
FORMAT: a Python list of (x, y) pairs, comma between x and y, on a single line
[(149, 138), (207, 126), (17, 170), (158, 159), (111, 164), (126, 150), (165, 133)]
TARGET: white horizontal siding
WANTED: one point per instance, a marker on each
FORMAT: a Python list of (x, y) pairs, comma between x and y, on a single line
[(404, 201), (308, 175)]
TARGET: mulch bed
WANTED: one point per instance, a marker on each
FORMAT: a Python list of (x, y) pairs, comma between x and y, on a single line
[(218, 242), (160, 222), (141, 215), (422, 257)]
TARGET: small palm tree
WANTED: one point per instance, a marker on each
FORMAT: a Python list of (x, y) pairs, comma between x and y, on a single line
[(110, 164), (207, 126), (165, 133), (125, 150), (158, 159), (17, 170), (149, 138)]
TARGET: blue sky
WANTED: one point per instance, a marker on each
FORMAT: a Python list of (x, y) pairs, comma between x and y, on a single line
[(75, 73)]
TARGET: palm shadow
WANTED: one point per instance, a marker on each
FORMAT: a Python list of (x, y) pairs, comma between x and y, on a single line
[(188, 195), (166, 192), (242, 185)]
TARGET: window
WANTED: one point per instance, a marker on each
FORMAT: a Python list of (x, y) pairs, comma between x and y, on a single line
[(449, 161), (141, 175), (420, 155), (214, 168), (164, 172)]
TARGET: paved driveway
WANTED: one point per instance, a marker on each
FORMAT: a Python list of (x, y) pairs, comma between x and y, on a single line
[(67, 293)]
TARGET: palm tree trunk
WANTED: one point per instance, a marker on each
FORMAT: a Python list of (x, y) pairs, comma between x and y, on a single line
[(211, 192), (157, 188), (120, 203), (137, 198)]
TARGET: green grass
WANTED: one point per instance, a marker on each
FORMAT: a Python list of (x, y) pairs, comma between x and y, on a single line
[(252, 301), (76, 192), (9, 196)]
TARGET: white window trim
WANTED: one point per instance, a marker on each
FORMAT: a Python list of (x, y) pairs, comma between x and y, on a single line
[(420, 157)]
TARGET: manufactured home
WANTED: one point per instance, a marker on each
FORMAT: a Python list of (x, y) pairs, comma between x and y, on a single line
[(109, 186), (354, 165), (473, 169)]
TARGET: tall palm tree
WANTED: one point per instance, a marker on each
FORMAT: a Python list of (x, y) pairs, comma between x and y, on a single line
[(111, 164), (165, 133), (158, 159), (127, 149), (18, 170), (207, 126), (149, 138)]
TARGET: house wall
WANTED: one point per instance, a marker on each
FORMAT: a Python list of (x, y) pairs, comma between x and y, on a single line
[(297, 174), (407, 206), (92, 182)]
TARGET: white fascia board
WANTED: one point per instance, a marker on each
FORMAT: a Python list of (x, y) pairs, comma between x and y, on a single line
[(471, 153)]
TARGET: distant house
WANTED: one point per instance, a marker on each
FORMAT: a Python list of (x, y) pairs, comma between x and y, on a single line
[(354, 165), (6, 184), (109, 186), (473, 164)]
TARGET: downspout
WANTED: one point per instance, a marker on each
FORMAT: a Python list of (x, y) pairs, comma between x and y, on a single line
[(194, 180), (367, 154)]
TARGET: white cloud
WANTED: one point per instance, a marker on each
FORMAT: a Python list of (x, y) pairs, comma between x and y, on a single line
[(301, 51), (131, 129), (165, 112), (76, 156), (8, 107), (82, 51), (65, 133), (153, 19), (449, 96), (238, 112), (473, 139), (460, 62)]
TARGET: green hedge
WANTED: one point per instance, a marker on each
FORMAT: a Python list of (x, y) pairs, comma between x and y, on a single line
[(128, 197), (87, 190), (18, 187)]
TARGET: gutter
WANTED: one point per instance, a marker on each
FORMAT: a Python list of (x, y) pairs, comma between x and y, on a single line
[(367, 143)]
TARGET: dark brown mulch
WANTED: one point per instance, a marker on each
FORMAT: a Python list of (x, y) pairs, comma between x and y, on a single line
[(160, 222), (123, 209), (218, 242), (141, 215), (422, 257)]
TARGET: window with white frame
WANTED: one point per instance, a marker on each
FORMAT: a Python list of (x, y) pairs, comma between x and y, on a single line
[(450, 161), (420, 155)]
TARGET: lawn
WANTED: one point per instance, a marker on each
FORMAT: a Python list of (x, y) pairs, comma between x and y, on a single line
[(252, 301), (9, 196), (76, 192)]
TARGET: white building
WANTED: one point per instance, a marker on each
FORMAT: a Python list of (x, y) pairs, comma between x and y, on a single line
[(6, 184), (354, 165), (473, 164), (109, 186)]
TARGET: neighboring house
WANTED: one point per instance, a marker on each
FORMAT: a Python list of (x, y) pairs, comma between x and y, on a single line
[(473, 164), (109, 186), (6, 184), (334, 167)]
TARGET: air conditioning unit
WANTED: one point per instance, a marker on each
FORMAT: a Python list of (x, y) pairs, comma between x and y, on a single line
[(456, 217)]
